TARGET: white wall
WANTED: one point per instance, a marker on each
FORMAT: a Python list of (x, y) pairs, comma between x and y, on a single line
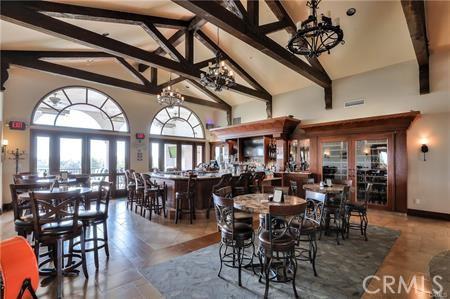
[(25, 88), (393, 89)]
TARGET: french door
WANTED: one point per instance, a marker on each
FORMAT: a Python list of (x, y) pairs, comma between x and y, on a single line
[(170, 154), (103, 157), (362, 160)]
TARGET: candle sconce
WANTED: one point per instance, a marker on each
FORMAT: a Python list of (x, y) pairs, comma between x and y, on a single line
[(424, 149)]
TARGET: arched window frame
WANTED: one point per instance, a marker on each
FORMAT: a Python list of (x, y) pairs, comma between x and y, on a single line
[(107, 97), (178, 118)]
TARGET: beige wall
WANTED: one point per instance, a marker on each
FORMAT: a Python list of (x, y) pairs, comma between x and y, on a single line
[(389, 90), (25, 88)]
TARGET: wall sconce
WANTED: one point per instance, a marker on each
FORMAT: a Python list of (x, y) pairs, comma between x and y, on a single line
[(424, 150), (4, 145)]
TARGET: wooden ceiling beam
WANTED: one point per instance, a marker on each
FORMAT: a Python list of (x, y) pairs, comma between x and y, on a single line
[(23, 15), (414, 11), (273, 27), (32, 62), (61, 10), (217, 15), (134, 71), (162, 41), (253, 12)]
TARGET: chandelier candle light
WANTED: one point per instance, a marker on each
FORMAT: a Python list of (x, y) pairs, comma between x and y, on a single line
[(170, 97), (314, 35), (218, 75)]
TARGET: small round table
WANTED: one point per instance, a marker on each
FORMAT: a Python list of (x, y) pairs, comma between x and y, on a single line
[(335, 188)]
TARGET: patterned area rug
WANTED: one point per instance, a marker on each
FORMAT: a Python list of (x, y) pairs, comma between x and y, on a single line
[(341, 269), (440, 265)]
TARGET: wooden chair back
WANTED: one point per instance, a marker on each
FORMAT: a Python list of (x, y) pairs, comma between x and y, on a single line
[(226, 192), (55, 207), (17, 189), (224, 211)]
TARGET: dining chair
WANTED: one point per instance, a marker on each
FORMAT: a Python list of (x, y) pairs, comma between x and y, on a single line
[(239, 215), (309, 226), (139, 200), (153, 193), (225, 180), (358, 209), (293, 187), (255, 184), (240, 187), (235, 236), (277, 245), (131, 187)]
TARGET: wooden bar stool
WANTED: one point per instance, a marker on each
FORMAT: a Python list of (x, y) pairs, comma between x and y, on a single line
[(55, 219), (186, 198)]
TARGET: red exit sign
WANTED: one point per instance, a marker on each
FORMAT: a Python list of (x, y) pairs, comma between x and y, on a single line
[(140, 136), (17, 125)]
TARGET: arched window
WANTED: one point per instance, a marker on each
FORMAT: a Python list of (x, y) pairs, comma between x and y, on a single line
[(177, 121), (80, 107)]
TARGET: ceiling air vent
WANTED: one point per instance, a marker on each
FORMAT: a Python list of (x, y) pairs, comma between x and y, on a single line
[(353, 103)]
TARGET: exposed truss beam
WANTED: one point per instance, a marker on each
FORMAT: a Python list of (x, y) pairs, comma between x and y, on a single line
[(30, 61), (98, 14), (273, 27), (204, 39), (23, 15), (204, 63), (217, 15), (253, 12), (133, 71), (170, 82), (162, 41), (415, 17)]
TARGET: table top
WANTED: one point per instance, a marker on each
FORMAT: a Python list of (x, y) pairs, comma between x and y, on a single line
[(49, 181), (336, 188), (259, 202), (83, 191)]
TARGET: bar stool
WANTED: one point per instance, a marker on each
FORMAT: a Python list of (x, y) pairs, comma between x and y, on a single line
[(55, 219), (138, 193), (131, 187), (23, 222), (92, 218), (152, 194), (186, 197), (224, 181)]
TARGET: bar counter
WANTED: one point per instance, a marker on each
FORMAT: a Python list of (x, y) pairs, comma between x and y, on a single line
[(205, 183)]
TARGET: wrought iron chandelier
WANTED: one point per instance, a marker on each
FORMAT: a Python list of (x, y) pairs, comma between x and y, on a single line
[(316, 35), (218, 75), (170, 97)]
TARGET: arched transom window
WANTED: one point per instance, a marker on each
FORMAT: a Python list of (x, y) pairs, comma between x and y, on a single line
[(177, 121), (80, 107)]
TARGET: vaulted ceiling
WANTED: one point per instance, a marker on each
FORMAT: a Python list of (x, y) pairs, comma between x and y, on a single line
[(376, 36)]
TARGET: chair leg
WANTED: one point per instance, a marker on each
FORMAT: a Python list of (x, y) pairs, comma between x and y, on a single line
[(294, 275), (105, 237), (95, 245), (36, 250), (220, 256), (59, 263), (366, 222), (239, 266), (83, 253), (314, 252), (190, 210), (267, 273), (176, 210)]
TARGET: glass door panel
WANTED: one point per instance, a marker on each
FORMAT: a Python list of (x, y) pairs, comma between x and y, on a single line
[(186, 157), (170, 156), (42, 154), (335, 161), (120, 164), (371, 161), (199, 153), (155, 155), (99, 162), (70, 155)]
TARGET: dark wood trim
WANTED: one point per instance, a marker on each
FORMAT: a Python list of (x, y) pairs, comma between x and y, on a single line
[(428, 214), (414, 11), (162, 41), (204, 63), (214, 13), (253, 12), (209, 93), (189, 46)]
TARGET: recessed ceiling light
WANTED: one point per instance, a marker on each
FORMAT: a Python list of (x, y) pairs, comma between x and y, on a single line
[(351, 11)]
